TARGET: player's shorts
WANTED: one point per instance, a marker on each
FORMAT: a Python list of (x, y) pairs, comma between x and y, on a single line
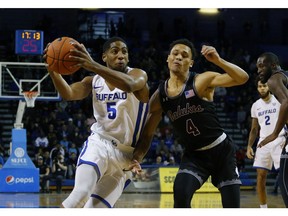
[(109, 162), (269, 155), (218, 162)]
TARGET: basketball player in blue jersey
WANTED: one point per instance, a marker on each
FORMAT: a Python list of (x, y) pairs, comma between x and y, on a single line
[(270, 72), (264, 114), (120, 95), (187, 99)]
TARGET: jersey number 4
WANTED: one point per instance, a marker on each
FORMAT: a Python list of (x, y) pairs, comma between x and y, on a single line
[(191, 128)]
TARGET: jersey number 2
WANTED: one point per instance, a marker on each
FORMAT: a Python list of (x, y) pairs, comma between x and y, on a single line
[(267, 120)]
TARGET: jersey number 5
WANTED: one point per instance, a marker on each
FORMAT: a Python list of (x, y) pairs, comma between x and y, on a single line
[(111, 110)]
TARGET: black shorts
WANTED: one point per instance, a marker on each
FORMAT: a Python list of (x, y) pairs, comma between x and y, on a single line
[(218, 162)]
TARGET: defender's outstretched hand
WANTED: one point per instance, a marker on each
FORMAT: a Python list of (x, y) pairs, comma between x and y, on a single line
[(134, 167)]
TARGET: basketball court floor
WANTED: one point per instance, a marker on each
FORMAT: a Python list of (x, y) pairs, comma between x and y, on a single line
[(137, 200)]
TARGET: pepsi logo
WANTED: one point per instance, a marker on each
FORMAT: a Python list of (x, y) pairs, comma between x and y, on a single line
[(10, 180)]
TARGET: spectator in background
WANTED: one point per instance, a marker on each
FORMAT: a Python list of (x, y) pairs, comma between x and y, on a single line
[(44, 174), (56, 150), (59, 171), (73, 149), (41, 141), (70, 126), (72, 164), (65, 143), (38, 154), (171, 161), (51, 134), (63, 132), (158, 161), (77, 136)]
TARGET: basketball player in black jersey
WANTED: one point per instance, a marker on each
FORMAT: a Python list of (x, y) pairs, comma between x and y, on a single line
[(270, 71), (187, 99)]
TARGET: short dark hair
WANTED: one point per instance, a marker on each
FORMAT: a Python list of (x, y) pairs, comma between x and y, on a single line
[(257, 79), (270, 57), (185, 42), (107, 44)]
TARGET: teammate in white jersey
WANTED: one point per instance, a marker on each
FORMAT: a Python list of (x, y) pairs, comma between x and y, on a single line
[(264, 114), (120, 95)]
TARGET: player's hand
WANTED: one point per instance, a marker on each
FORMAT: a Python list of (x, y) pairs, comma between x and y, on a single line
[(250, 153), (267, 140), (210, 53), (82, 56), (134, 167), (45, 57)]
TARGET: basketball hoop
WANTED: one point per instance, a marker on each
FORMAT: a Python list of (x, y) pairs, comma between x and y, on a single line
[(30, 97)]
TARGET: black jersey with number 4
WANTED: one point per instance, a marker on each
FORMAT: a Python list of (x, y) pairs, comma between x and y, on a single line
[(193, 119)]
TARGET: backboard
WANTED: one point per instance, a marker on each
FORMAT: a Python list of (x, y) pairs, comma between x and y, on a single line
[(19, 77)]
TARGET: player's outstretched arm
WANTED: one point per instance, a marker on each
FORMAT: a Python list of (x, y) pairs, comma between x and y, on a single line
[(234, 75)]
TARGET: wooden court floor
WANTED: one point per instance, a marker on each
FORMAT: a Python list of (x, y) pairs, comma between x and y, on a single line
[(249, 199)]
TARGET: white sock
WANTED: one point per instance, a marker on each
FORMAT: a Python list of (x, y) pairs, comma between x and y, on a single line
[(264, 206)]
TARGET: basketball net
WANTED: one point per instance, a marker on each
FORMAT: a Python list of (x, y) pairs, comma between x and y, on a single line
[(30, 97)]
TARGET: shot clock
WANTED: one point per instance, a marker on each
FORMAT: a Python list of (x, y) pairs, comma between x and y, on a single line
[(29, 42)]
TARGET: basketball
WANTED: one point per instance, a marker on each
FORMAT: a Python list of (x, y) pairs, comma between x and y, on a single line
[(58, 56)]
